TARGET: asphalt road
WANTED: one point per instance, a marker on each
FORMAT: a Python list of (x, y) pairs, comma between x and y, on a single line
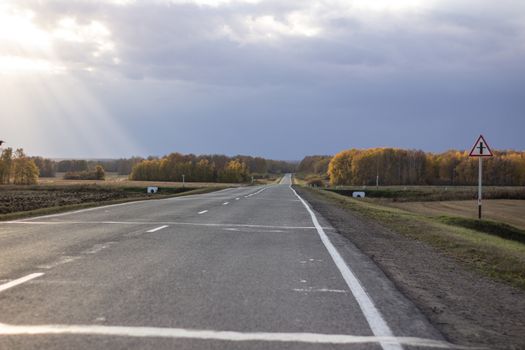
[(243, 268)]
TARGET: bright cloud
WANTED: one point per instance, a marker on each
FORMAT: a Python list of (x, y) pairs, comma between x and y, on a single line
[(210, 67), (22, 65)]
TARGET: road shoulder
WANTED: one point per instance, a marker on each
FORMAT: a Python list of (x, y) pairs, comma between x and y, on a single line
[(469, 309)]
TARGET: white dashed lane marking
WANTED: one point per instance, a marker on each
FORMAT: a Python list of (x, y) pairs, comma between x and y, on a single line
[(202, 212), (19, 281), (157, 228)]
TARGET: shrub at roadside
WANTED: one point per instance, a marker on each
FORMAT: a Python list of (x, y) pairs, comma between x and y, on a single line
[(315, 181), (97, 174)]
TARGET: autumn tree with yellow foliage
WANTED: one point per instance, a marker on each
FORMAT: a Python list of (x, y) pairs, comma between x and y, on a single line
[(414, 167), (17, 168), (235, 171)]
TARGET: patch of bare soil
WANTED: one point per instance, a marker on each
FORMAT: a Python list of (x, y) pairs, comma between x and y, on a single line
[(12, 201), (467, 308)]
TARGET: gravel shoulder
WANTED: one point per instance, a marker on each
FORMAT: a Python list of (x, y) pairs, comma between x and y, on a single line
[(466, 307)]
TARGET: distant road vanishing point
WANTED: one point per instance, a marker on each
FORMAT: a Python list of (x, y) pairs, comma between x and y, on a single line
[(243, 268)]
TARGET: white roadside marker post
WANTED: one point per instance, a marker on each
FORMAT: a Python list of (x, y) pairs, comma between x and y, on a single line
[(481, 149)]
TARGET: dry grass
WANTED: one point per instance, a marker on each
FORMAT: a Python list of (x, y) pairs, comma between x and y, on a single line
[(433, 193), (508, 211), (113, 180), (298, 181)]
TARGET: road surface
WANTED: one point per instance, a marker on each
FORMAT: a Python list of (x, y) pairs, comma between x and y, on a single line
[(243, 268)]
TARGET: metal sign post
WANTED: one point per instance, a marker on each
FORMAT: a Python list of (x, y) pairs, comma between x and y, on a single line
[(481, 149), (480, 179)]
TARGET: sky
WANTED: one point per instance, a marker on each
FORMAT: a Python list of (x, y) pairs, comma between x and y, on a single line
[(278, 79)]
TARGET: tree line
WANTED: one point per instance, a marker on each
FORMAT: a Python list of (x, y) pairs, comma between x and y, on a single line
[(415, 167), (17, 168), (49, 167), (206, 168), (314, 165)]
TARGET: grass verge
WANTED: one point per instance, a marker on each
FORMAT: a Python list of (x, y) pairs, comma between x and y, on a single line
[(476, 247), (433, 193), (71, 207), (487, 226)]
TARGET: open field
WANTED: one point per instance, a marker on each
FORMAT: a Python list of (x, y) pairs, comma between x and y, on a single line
[(432, 193), (56, 194), (509, 211), (25, 201), (112, 179)]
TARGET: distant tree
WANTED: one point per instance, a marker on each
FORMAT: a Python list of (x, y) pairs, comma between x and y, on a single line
[(125, 166), (46, 167), (314, 165), (100, 174), (73, 165), (97, 174), (340, 168), (25, 171), (235, 171), (6, 163)]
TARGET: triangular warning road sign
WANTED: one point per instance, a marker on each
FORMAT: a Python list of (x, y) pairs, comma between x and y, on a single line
[(481, 148)]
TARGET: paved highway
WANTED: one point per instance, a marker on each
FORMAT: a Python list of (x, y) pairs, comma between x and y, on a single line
[(243, 268)]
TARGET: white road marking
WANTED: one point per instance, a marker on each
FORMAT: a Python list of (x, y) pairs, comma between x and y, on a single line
[(202, 212), (319, 290), (374, 318), (181, 333), (63, 260), (159, 222), (157, 229), (19, 281), (258, 230), (237, 198), (260, 190), (225, 203)]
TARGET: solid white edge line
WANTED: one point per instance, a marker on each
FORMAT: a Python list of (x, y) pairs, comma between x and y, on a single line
[(374, 318), (181, 333), (157, 229), (202, 212), (19, 281)]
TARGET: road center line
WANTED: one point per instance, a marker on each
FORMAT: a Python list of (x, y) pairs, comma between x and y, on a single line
[(157, 229), (19, 281), (202, 212), (374, 318), (181, 333), (225, 203)]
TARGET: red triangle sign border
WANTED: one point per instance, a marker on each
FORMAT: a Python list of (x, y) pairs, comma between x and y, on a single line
[(481, 141)]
